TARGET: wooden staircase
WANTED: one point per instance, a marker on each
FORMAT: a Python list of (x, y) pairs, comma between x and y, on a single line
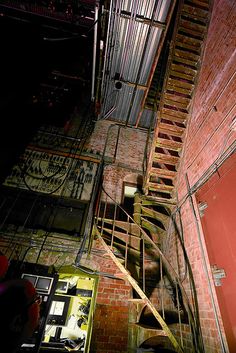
[(135, 244), (176, 100)]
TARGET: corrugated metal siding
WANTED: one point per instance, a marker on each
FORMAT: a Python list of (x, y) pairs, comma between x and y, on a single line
[(131, 49)]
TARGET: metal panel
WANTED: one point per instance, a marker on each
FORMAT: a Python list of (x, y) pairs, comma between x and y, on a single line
[(131, 48), (147, 119)]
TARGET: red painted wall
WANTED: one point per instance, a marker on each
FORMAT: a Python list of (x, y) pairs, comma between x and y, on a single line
[(219, 227)]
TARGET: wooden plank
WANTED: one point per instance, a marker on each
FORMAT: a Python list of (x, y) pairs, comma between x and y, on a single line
[(179, 99), (169, 144), (179, 44), (200, 3), (181, 90), (198, 28), (142, 296), (178, 83), (185, 70), (177, 113), (195, 12), (165, 173), (176, 104), (190, 32), (160, 187), (171, 129), (182, 75), (194, 42), (149, 212), (133, 241), (166, 159), (193, 58), (153, 228), (132, 228)]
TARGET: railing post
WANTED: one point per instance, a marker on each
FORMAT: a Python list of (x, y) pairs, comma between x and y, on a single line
[(138, 220)]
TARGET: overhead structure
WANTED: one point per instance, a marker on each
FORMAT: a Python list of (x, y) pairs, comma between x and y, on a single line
[(135, 35)]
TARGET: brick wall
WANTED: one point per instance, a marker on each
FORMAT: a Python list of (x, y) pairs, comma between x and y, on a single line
[(124, 163), (209, 136), (110, 329)]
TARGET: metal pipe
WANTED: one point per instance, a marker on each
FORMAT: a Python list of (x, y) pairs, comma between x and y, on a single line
[(106, 49), (94, 51)]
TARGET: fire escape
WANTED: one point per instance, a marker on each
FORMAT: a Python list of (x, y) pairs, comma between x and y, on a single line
[(160, 309)]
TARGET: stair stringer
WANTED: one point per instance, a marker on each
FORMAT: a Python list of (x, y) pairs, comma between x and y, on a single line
[(183, 68)]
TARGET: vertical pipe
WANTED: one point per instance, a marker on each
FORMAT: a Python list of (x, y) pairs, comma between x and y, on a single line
[(94, 50), (106, 49), (178, 307)]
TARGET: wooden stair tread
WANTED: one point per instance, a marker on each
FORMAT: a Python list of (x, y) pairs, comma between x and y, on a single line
[(172, 130), (130, 239), (179, 99), (163, 158), (132, 228), (187, 22), (160, 187), (165, 173), (154, 214), (196, 12), (199, 3), (179, 83), (154, 330), (169, 144), (185, 61), (179, 74)]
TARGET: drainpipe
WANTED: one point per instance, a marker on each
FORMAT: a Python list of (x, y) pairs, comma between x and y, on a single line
[(94, 51)]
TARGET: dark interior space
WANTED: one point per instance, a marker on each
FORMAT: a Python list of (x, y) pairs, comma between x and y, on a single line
[(45, 72)]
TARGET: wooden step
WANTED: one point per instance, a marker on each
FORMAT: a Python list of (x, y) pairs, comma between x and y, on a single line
[(185, 70), (180, 83), (133, 254), (195, 43), (194, 58), (187, 47), (132, 228), (182, 75), (163, 173), (190, 32), (181, 60), (172, 130), (173, 116), (183, 102), (160, 187), (169, 144), (133, 241), (199, 4), (181, 90), (194, 19), (195, 12), (153, 228), (186, 22), (149, 212), (166, 159)]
